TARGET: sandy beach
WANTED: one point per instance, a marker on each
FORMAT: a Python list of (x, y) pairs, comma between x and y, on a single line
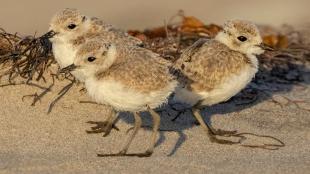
[(34, 142)]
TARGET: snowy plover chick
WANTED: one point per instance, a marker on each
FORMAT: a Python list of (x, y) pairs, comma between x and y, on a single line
[(126, 79), (110, 33), (66, 26), (70, 29), (215, 70)]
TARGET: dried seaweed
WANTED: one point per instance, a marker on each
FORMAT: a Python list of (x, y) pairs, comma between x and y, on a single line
[(28, 57), (62, 92)]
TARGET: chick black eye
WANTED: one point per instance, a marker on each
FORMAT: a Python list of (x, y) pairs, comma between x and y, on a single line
[(242, 38), (91, 59), (71, 26)]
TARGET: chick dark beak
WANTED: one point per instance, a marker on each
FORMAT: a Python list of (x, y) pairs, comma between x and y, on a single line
[(265, 47), (49, 34), (67, 69)]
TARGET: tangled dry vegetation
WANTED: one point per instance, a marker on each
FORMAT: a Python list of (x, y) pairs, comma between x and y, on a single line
[(29, 58)]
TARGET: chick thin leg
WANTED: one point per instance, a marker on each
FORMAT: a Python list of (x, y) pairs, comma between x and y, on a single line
[(156, 123), (123, 152), (209, 130), (105, 126), (219, 132), (138, 123)]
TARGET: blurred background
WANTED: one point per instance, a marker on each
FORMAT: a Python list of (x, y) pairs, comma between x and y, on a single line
[(28, 17)]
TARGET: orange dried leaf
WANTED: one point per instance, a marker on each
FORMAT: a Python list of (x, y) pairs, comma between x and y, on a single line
[(276, 41), (137, 34), (156, 32), (134, 32), (141, 36), (283, 41), (191, 22), (271, 40), (213, 29)]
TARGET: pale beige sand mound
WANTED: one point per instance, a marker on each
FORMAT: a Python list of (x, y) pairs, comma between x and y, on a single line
[(33, 142)]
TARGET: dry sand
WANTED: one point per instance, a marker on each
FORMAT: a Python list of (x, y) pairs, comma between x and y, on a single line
[(29, 16), (33, 142)]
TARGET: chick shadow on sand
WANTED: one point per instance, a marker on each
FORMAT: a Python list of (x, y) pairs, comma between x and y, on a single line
[(177, 117)]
